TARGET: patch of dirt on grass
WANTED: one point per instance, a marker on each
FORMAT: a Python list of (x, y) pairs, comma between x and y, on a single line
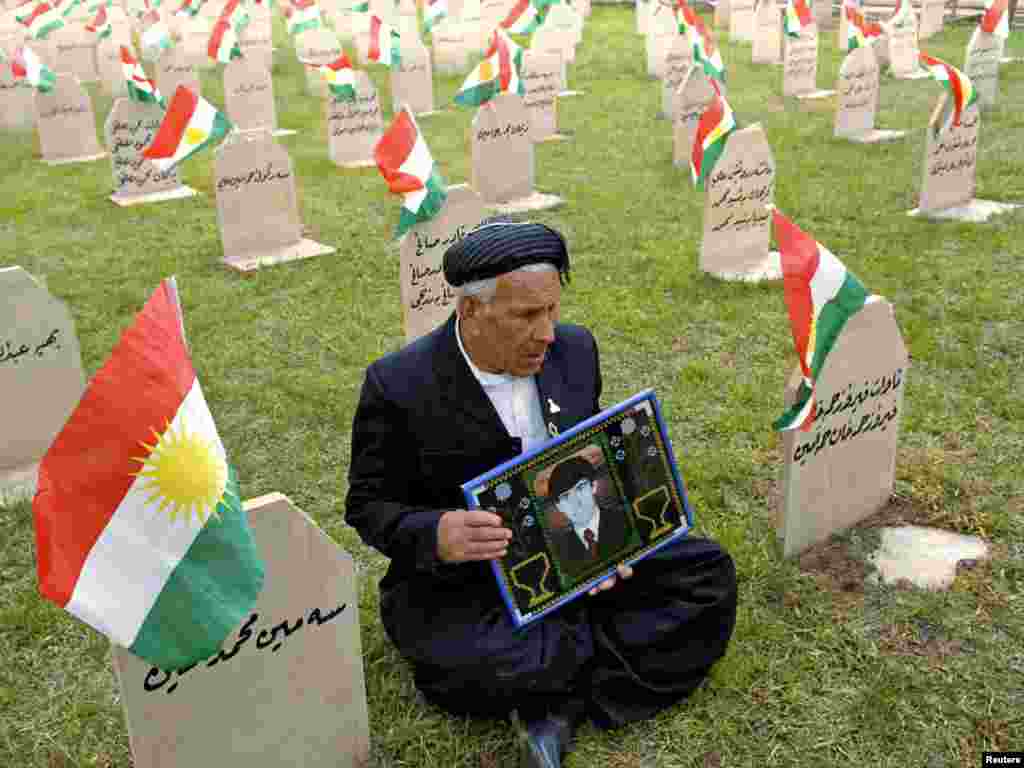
[(833, 567), (989, 735), (939, 501), (975, 578), (908, 640), (712, 759)]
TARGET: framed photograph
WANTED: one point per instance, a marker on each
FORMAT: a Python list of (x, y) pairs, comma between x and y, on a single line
[(605, 493)]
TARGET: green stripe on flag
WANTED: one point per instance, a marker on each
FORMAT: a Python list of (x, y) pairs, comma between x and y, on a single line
[(846, 303), (430, 205)]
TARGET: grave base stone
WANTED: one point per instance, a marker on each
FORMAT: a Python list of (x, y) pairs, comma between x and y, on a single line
[(536, 201), (180, 193), (876, 136), (819, 93), (973, 212)]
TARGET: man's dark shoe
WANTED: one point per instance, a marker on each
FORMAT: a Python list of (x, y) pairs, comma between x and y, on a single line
[(543, 743)]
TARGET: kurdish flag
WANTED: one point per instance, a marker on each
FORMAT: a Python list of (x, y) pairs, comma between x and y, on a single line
[(101, 24), (497, 73), (302, 16), (189, 9), (903, 15), (340, 78), (716, 123), (223, 45), (26, 65), (704, 49), (140, 87), (959, 85), (140, 530), (821, 295), (798, 17), (525, 17), (859, 31), (156, 37), (95, 5), (407, 166), (682, 17), (67, 6), (385, 44), (996, 20), (42, 20), (190, 124), (432, 14)]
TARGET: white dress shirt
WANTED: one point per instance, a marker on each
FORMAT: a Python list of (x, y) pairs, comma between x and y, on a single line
[(515, 398)]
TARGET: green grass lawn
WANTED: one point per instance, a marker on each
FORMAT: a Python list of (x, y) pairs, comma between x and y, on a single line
[(825, 668)]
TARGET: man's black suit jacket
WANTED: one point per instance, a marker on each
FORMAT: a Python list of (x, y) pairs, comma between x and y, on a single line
[(424, 426)]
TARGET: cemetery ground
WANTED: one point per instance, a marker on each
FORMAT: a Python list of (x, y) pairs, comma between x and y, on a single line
[(826, 666)]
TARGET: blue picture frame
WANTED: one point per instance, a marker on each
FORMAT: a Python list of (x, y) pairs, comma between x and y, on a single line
[(623, 472)]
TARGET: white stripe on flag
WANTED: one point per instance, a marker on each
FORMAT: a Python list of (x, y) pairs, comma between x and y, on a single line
[(827, 279), (136, 553), (418, 164)]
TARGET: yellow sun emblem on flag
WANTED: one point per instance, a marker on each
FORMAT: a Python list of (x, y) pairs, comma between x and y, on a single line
[(486, 71), (194, 136), (184, 473)]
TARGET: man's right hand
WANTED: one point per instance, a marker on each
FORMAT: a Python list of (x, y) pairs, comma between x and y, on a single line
[(464, 535)]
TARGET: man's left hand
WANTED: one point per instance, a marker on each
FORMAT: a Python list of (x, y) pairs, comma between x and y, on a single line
[(624, 572)]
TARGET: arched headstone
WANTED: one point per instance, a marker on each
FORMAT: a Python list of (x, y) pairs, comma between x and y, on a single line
[(950, 160), (692, 98), (722, 13), (678, 60), (195, 38), (317, 47), (767, 34), (857, 103), (173, 69), (981, 65), (741, 21), (800, 66), (412, 83), (249, 95), (662, 31), (66, 123), (541, 76), (933, 16), (451, 49), (72, 50), (110, 68), (354, 127), (256, 40), (904, 53)]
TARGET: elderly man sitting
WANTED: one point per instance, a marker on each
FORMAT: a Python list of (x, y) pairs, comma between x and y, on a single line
[(500, 377)]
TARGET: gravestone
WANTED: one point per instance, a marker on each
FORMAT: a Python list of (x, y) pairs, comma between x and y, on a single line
[(541, 75), (822, 11), (249, 96), (257, 205), (843, 31), (933, 14), (661, 33), (16, 111), (195, 39), (129, 129), (903, 51), (950, 161), (857, 103), (287, 688), (317, 47), (641, 9), (981, 65), (555, 42), (741, 21), (800, 66), (174, 69), (66, 124), (412, 82), (502, 157), (427, 299), (767, 34), (842, 471), (722, 13), (72, 50), (678, 60), (492, 13), (565, 17), (256, 40), (110, 69), (451, 49), (41, 379), (354, 127), (737, 225), (689, 103)]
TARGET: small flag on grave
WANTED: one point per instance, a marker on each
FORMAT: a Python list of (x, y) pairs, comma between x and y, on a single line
[(435, 11), (859, 31), (95, 5), (901, 17), (406, 164), (302, 16), (525, 17), (705, 51), (100, 24), (716, 123), (67, 7), (140, 530), (821, 295), (190, 124), (224, 38), (41, 21), (996, 20), (497, 73), (339, 76), (798, 17), (189, 9), (961, 90), (156, 37), (27, 66), (140, 87), (385, 44)]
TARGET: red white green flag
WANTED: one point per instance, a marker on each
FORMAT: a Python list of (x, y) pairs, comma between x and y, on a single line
[(798, 17), (961, 89), (302, 16), (155, 37), (705, 51), (859, 31), (41, 20), (407, 166), (67, 7), (821, 295), (140, 87), (996, 20), (223, 45), (140, 530), (27, 66), (716, 123), (190, 124), (497, 73), (434, 11), (525, 17), (903, 15), (189, 9), (340, 78), (385, 44), (100, 24)]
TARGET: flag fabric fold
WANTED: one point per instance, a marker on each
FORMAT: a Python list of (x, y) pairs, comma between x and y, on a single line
[(525, 17), (190, 125), (140, 87), (961, 89), (41, 21), (189, 9), (713, 129), (339, 76), (408, 168), (821, 295), (902, 16), (385, 44), (996, 19), (705, 51), (28, 67), (859, 31), (140, 530), (798, 17), (100, 24), (302, 16), (156, 37), (497, 73), (433, 12), (224, 43)]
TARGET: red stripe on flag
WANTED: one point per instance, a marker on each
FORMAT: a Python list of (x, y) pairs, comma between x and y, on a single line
[(374, 52), (799, 252), (168, 136), (99, 20), (341, 63), (392, 150), (711, 117), (126, 56), (38, 11), (18, 66), (802, 12), (88, 469), (220, 28), (504, 62), (992, 16), (517, 10)]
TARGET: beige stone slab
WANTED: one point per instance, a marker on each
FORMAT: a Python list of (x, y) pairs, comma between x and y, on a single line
[(981, 65), (933, 16), (737, 225), (741, 21), (877, 136), (287, 688), (72, 50), (691, 99), (640, 13), (722, 13), (767, 47), (678, 60), (567, 94), (819, 93), (904, 53), (76, 159), (175, 68), (842, 470), (501, 150), (536, 201), (924, 557), (304, 249), (249, 95), (800, 63), (195, 38), (41, 377), (257, 43), (128, 130), (842, 32), (566, 18), (950, 160), (974, 211), (110, 69), (413, 82), (427, 299), (451, 48), (657, 49), (317, 47), (822, 11), (16, 103), (354, 127), (857, 87), (181, 193), (66, 124), (541, 74)]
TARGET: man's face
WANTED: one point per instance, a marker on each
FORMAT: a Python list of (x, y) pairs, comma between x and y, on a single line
[(511, 333), (577, 503)]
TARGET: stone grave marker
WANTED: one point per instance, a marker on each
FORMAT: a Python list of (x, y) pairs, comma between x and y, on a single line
[(427, 299), (950, 161), (195, 38), (502, 157), (565, 17), (981, 65), (541, 76), (354, 127), (689, 103), (129, 129), (249, 96), (407, 8), (257, 205), (737, 225), (287, 688), (451, 49), (72, 50), (173, 69), (110, 69), (722, 13), (41, 378), (842, 32), (822, 10), (553, 41), (857, 103), (257, 39), (767, 34), (661, 32), (842, 471), (413, 82), (66, 123), (800, 66), (904, 54), (678, 60), (317, 47), (492, 13), (933, 16), (741, 21), (16, 111)]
